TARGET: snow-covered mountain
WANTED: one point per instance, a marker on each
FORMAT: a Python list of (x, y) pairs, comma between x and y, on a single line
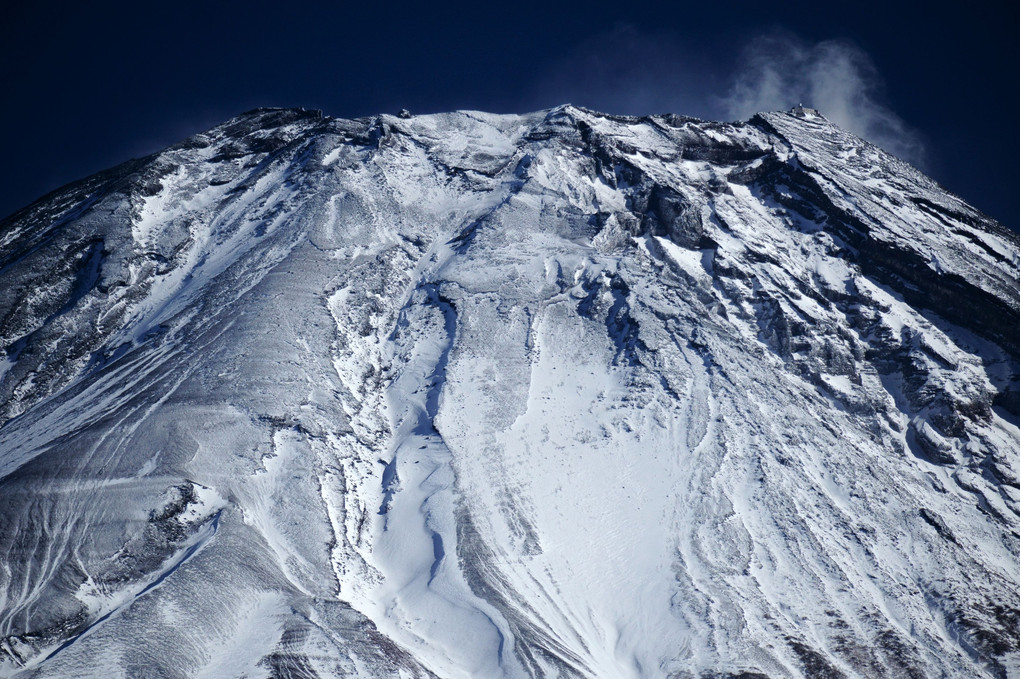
[(555, 395)]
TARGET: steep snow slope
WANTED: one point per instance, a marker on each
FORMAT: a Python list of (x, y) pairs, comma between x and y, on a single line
[(465, 395)]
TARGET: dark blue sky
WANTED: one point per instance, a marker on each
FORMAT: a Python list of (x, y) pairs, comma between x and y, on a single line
[(93, 84)]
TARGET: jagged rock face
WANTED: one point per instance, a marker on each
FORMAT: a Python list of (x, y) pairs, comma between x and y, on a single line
[(465, 395)]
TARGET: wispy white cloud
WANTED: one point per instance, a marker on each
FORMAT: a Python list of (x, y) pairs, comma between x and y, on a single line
[(837, 77), (628, 70)]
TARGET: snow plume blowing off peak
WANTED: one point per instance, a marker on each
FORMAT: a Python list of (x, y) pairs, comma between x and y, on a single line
[(633, 71), (835, 76)]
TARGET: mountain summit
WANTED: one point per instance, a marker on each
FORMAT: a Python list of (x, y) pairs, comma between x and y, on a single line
[(563, 394)]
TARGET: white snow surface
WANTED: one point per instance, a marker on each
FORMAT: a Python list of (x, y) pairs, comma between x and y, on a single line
[(469, 395)]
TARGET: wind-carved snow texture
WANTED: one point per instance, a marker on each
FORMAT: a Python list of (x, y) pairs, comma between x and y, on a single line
[(554, 395)]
